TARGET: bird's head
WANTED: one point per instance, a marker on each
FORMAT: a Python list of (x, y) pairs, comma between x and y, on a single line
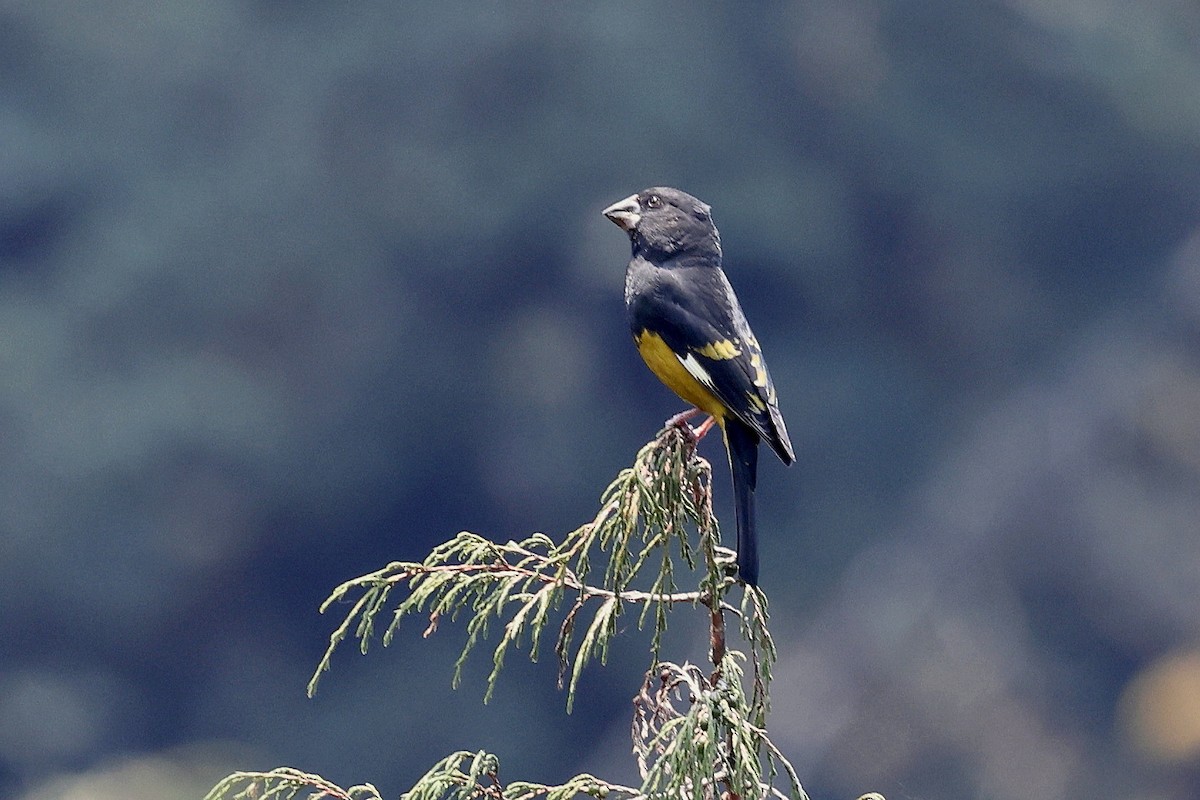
[(666, 222)]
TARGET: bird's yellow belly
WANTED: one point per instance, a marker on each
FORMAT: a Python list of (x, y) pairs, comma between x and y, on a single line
[(666, 366)]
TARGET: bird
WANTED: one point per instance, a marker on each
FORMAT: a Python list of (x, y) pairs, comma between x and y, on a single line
[(690, 330)]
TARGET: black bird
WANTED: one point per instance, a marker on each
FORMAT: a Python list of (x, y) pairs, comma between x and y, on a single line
[(691, 332)]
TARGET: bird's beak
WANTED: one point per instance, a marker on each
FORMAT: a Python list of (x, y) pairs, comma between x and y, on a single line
[(625, 213)]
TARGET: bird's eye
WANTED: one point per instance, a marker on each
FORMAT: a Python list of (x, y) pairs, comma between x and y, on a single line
[(654, 201)]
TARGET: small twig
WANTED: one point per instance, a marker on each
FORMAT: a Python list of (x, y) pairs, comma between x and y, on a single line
[(564, 638), (568, 580), (716, 638)]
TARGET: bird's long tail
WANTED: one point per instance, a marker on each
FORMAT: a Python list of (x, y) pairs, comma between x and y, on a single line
[(742, 443)]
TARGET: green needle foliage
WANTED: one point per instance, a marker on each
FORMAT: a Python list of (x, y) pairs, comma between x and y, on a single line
[(696, 733), (465, 775), (645, 517), (284, 783)]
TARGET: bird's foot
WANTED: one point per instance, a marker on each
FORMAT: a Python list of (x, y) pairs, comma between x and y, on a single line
[(704, 428), (681, 417), (697, 433)]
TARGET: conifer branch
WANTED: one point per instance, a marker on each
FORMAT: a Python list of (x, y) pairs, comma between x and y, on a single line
[(695, 734), (465, 776), (647, 515), (712, 749), (285, 783)]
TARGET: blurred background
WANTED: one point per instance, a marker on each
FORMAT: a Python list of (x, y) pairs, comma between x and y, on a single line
[(292, 289)]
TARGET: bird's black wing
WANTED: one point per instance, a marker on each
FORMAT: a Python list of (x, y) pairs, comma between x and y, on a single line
[(699, 318)]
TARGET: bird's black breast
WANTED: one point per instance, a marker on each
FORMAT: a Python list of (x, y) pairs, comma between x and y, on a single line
[(660, 297)]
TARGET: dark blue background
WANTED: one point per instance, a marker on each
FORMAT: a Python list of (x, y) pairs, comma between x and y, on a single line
[(292, 289)]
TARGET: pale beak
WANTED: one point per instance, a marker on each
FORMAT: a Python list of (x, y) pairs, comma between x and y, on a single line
[(625, 213)]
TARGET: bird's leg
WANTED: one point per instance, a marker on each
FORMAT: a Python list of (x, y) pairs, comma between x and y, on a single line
[(681, 417), (697, 433), (704, 428)]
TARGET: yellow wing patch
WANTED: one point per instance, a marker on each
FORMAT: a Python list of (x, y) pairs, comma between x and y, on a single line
[(719, 351), (756, 363)]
